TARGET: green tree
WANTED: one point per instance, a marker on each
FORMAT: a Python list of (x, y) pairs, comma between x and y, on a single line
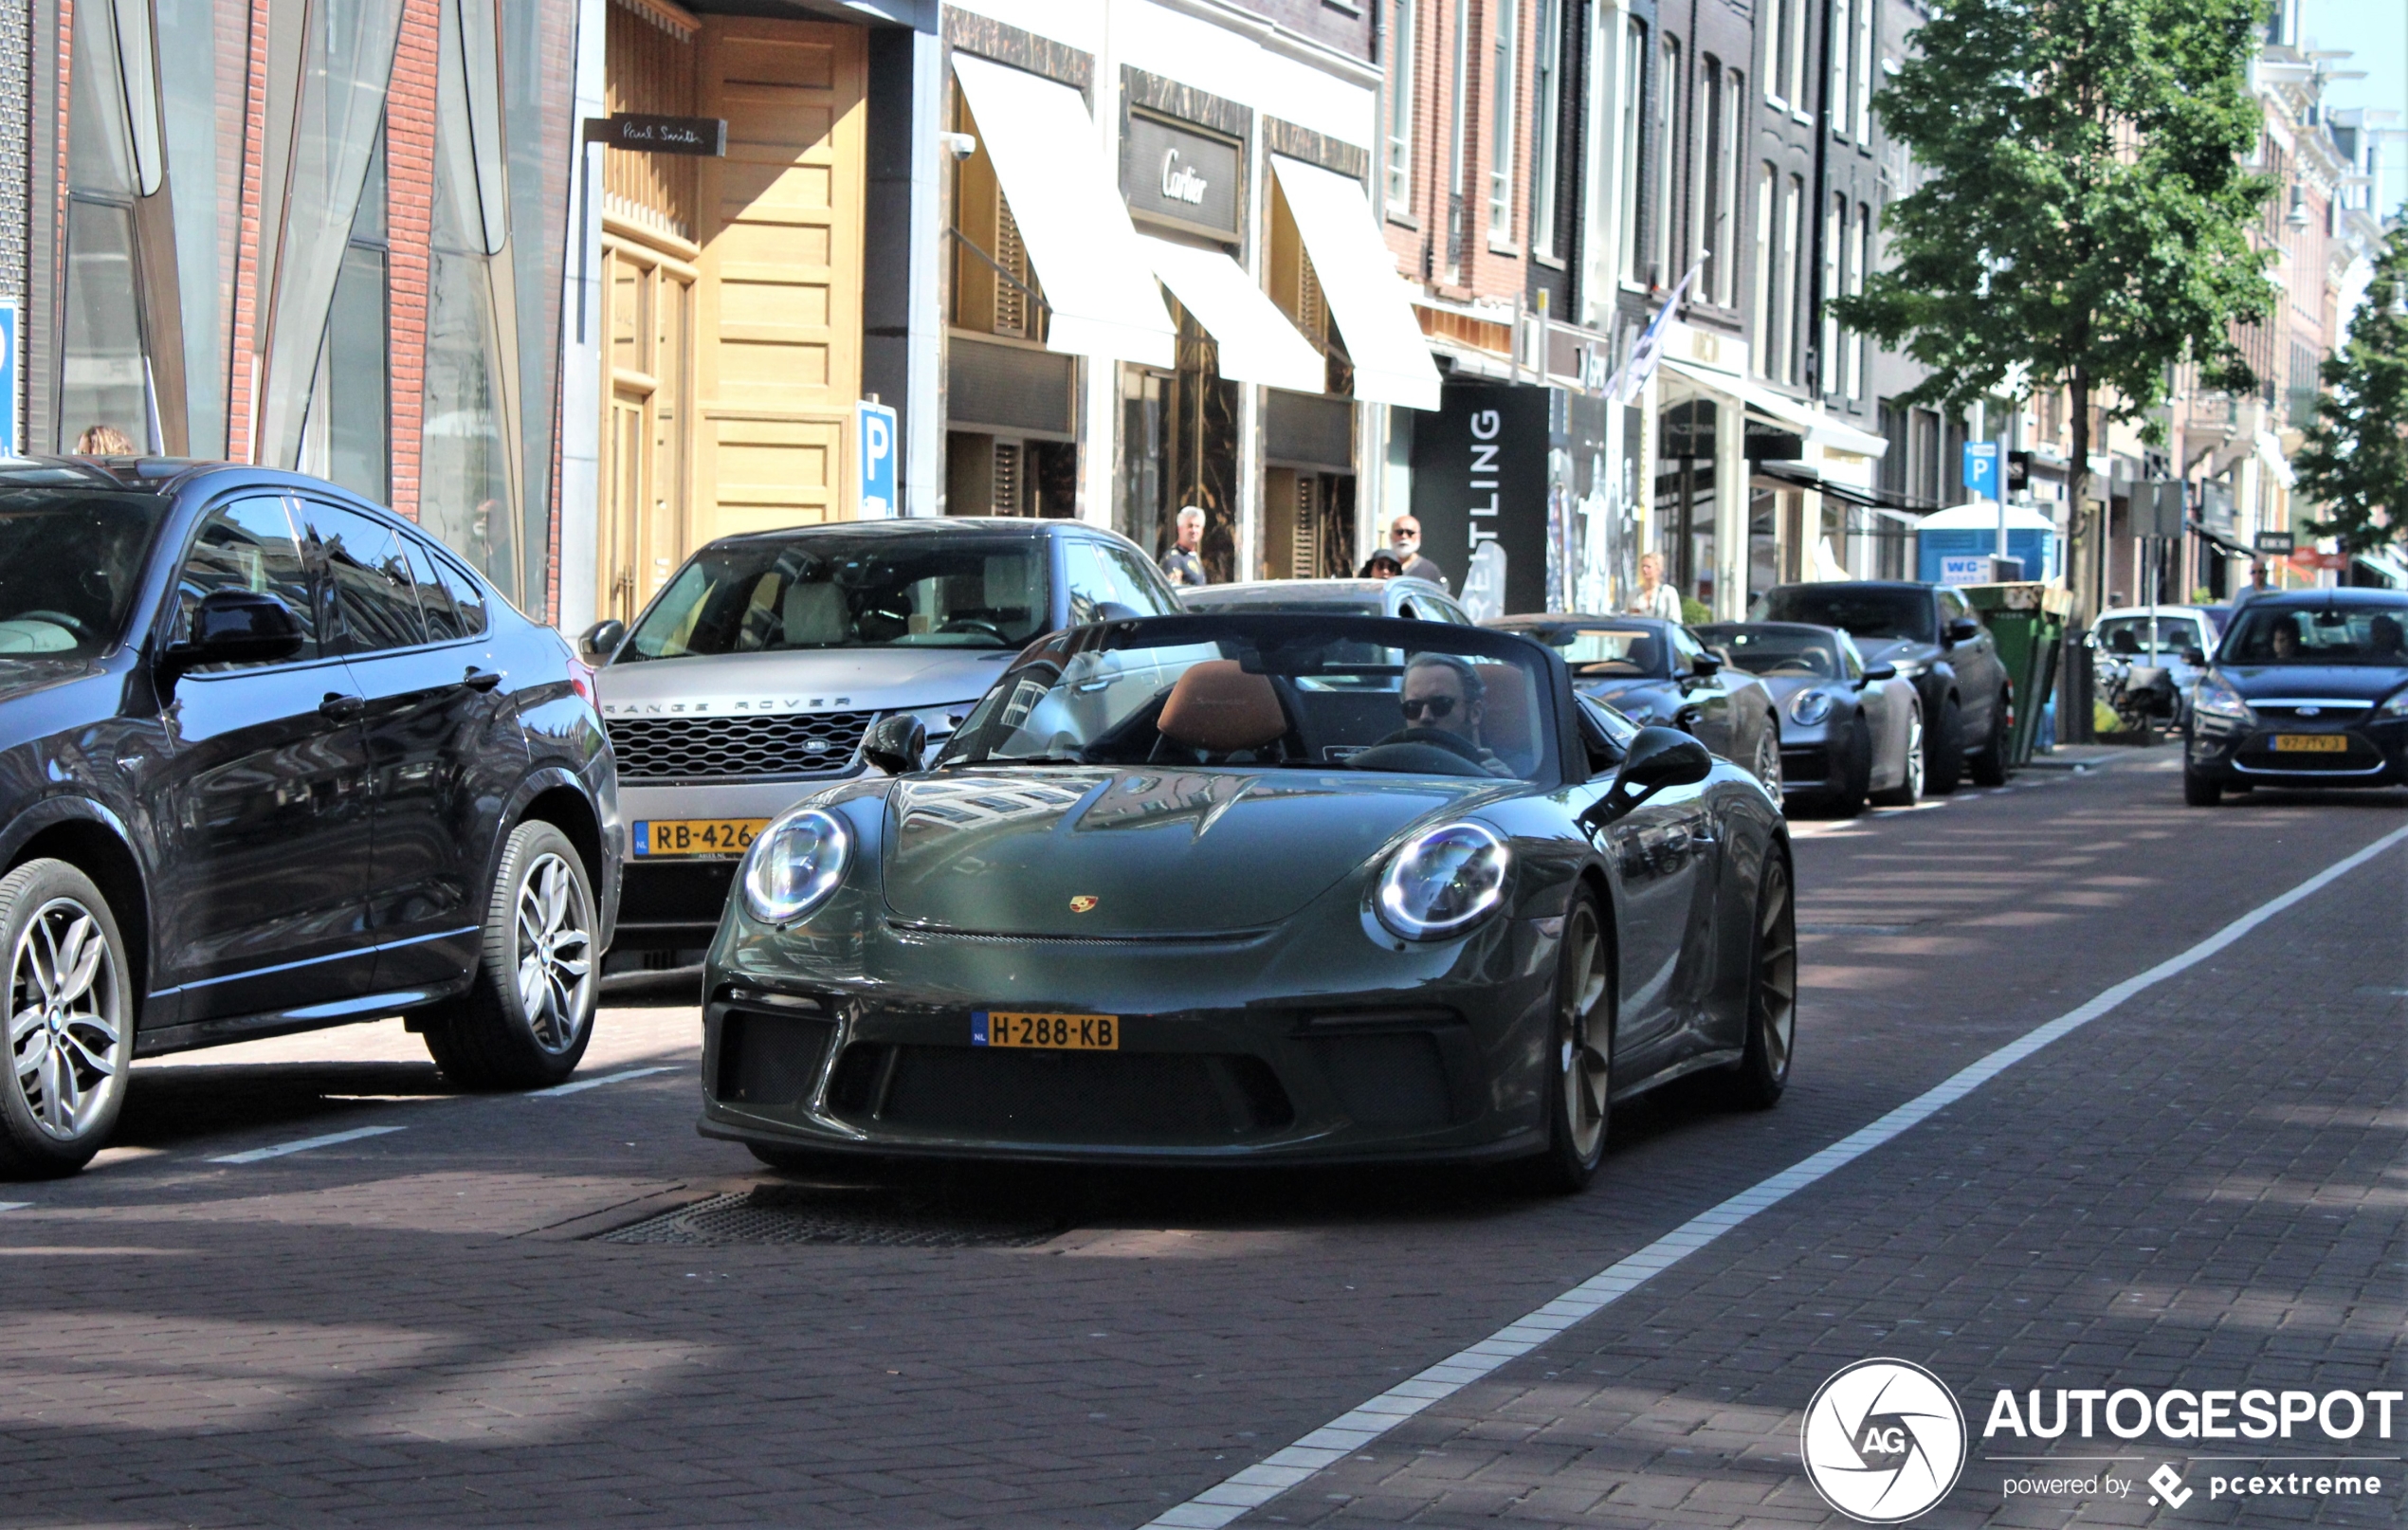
[(2082, 220), (2354, 462)]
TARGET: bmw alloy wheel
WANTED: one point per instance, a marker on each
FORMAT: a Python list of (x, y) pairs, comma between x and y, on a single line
[(66, 1040), (556, 953)]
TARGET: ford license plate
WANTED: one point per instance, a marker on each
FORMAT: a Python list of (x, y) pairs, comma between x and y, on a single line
[(1055, 1033), (2311, 744), (696, 836)]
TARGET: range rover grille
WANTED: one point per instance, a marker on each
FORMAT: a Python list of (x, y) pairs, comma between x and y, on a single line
[(699, 749)]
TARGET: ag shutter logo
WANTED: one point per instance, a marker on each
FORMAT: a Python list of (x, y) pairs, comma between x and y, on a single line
[(1883, 1441)]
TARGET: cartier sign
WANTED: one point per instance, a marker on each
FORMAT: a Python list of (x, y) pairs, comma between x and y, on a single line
[(1181, 174)]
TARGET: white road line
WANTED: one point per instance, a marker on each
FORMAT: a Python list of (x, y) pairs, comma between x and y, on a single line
[(596, 1083), (1341, 1436), (255, 1155)]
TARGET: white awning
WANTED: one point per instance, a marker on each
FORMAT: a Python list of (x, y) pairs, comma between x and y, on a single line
[(1065, 198), (1780, 411), (1371, 303), (1257, 343)]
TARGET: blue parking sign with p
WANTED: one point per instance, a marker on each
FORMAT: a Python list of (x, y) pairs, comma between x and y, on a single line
[(1981, 470), (874, 449)]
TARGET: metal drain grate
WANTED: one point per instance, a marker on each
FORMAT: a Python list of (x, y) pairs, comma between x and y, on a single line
[(770, 1214)]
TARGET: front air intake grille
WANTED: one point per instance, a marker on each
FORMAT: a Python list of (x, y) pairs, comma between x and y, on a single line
[(724, 749)]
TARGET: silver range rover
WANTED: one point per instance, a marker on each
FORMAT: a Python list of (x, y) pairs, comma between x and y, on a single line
[(751, 679)]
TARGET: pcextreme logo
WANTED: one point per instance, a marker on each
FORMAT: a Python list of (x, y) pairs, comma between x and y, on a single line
[(1883, 1441)]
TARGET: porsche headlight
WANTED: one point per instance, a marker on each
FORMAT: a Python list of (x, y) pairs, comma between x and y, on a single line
[(1443, 883), (2216, 698), (795, 865), (1806, 708)]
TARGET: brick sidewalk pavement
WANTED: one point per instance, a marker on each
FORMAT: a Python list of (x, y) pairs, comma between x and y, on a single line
[(380, 1333)]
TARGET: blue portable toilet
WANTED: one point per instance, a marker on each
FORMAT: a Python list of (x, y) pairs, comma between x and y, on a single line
[(1955, 546)]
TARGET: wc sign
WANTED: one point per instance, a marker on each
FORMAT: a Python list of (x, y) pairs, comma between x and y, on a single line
[(874, 449)]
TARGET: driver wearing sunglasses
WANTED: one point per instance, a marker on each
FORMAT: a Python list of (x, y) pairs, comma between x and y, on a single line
[(1443, 694)]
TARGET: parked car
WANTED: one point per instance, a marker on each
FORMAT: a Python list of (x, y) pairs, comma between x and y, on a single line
[(1255, 888), (1658, 673), (1409, 599), (2309, 688), (1851, 732), (752, 676), (1936, 639), (2157, 637), (271, 759)]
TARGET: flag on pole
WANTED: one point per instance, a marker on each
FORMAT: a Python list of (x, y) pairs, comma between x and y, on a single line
[(1627, 384)]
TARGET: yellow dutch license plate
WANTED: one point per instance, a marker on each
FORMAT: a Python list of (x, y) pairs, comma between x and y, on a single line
[(696, 836), (1055, 1032), (2311, 744)]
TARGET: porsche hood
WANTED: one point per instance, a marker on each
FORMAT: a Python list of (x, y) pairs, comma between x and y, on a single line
[(1134, 851)]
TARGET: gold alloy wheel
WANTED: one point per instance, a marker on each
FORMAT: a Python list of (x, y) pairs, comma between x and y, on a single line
[(1586, 1062)]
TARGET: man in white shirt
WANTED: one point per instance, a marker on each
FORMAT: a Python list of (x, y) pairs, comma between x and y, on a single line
[(1654, 597)]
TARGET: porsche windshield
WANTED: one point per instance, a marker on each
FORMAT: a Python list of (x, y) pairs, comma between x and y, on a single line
[(2376, 638), (1605, 651), (955, 590), (1775, 651), (1351, 693), (70, 562)]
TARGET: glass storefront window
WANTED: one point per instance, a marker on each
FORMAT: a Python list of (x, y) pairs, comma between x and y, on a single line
[(203, 100), (104, 380)]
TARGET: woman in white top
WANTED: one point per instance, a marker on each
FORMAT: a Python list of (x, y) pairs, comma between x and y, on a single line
[(1654, 597)]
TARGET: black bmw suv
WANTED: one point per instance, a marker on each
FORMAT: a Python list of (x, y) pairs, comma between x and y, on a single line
[(271, 759)]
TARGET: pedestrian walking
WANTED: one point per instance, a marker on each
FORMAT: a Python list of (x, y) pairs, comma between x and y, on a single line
[(1654, 597), (1404, 538), (1180, 565)]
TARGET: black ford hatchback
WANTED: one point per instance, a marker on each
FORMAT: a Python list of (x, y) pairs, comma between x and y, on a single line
[(2309, 689), (270, 759)]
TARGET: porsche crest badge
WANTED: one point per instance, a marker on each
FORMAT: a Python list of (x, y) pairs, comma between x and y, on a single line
[(1083, 903)]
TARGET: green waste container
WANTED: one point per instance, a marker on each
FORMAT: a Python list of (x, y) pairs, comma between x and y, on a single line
[(2027, 620)]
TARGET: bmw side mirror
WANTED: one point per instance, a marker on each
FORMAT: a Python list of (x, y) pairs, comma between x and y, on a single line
[(1962, 629), (2195, 658), (235, 626), (895, 743), (1704, 666), (602, 638), (1657, 759), (1880, 671)]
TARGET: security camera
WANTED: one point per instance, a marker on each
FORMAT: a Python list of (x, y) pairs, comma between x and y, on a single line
[(960, 145)]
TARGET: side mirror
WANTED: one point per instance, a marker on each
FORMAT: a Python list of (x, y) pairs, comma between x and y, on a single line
[(235, 626), (1705, 666), (1112, 610), (1658, 757), (602, 638), (2195, 658), (1962, 629), (895, 743), (1880, 671)]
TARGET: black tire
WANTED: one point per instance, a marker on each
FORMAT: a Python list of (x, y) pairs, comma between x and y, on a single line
[(1852, 776), (528, 1014), (1989, 762), (1909, 792), (67, 1071), (1757, 1080), (1943, 752), (2202, 791), (1580, 1091)]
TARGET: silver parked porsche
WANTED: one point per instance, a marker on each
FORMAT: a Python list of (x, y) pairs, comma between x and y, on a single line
[(1851, 732), (751, 679)]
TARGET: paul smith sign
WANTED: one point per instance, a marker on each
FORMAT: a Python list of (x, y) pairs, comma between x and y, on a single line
[(706, 137), (1180, 175)]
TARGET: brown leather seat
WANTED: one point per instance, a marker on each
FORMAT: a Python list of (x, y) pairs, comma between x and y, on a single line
[(1505, 714), (1217, 707)]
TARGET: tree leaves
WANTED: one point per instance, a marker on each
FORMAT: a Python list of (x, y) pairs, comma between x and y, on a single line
[(2355, 459)]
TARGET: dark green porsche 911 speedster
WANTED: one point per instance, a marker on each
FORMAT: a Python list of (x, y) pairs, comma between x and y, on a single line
[(1266, 889)]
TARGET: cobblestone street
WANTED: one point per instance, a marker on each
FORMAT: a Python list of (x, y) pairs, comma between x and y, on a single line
[(420, 1320)]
